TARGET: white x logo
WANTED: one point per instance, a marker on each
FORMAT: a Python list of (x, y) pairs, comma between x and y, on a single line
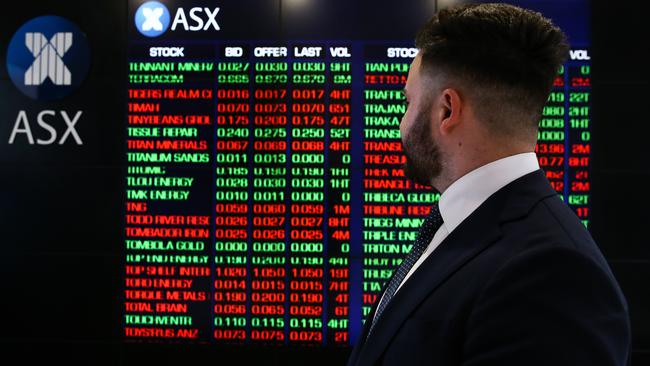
[(47, 58), (152, 20)]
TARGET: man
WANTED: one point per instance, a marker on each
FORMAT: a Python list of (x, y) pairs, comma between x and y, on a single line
[(508, 275)]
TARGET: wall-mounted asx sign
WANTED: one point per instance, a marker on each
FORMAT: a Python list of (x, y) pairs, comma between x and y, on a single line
[(152, 19), (47, 59)]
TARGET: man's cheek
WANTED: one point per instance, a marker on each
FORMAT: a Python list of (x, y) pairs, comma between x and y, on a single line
[(404, 124)]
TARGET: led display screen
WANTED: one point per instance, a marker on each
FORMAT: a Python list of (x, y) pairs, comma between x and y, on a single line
[(265, 201)]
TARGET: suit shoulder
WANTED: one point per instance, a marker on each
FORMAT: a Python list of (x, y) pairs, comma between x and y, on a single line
[(551, 230), (551, 223), (565, 219), (554, 305), (560, 266)]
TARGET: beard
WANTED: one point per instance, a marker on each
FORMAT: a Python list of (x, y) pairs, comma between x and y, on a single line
[(423, 162)]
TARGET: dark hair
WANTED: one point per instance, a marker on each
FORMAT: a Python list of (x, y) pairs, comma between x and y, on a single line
[(506, 56)]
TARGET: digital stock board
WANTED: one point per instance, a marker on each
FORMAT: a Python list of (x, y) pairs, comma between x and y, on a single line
[(265, 201)]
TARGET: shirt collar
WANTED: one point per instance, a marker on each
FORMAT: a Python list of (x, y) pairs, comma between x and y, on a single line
[(468, 192)]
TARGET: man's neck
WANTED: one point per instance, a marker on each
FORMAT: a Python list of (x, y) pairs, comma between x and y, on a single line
[(466, 164)]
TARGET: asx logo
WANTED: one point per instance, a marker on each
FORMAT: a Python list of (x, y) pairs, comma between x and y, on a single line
[(153, 19), (47, 58)]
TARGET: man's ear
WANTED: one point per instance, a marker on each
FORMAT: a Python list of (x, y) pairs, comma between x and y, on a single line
[(449, 111)]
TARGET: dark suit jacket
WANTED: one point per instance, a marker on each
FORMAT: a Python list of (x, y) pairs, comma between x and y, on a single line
[(519, 282)]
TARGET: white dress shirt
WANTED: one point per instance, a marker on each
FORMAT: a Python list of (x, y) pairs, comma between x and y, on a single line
[(468, 192)]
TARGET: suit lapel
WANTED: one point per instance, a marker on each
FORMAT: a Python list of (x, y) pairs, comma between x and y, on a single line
[(469, 239)]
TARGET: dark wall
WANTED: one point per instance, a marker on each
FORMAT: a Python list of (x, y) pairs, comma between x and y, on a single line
[(620, 158), (61, 205)]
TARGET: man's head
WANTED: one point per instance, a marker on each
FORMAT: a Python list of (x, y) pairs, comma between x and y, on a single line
[(477, 88)]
